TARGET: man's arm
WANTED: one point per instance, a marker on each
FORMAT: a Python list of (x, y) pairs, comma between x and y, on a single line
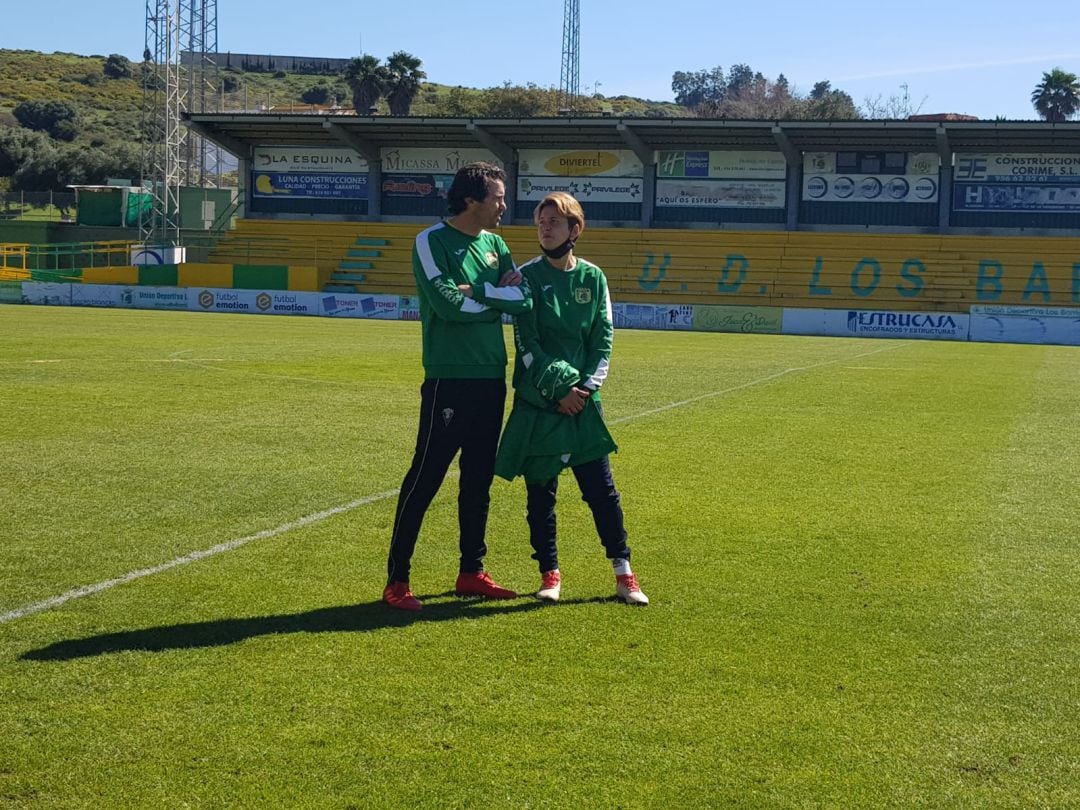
[(513, 300), (440, 292), (512, 294)]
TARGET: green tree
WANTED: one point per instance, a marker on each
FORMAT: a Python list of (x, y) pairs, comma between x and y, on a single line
[(48, 116), (404, 78), (118, 67), (515, 101), (18, 147), (826, 104), (698, 87), (367, 79), (316, 94), (1057, 96), (462, 103)]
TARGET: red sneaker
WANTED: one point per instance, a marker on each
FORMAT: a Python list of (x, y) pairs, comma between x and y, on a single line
[(550, 586), (397, 595), (481, 584), (627, 589)]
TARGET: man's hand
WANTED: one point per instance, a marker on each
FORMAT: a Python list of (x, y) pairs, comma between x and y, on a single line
[(511, 278), (574, 402), (465, 289)]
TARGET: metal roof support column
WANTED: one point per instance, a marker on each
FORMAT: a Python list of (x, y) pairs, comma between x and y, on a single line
[(511, 193), (508, 155), (945, 178), (369, 152), (243, 186), (647, 156), (793, 157)]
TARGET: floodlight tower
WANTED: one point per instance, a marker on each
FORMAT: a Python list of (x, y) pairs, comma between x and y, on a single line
[(163, 101), (199, 41), (570, 74)]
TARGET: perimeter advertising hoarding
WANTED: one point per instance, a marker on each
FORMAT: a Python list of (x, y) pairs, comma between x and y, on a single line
[(579, 163), (308, 173), (1004, 324), (254, 302), (11, 292), (432, 161), (876, 323), (426, 173), (756, 320), (605, 175), (1018, 181), (916, 181), (732, 164), (688, 193), (46, 292), (346, 305), (653, 316), (95, 295), (585, 189), (153, 297)]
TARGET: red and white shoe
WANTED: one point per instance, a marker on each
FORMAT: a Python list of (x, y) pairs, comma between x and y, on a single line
[(397, 595), (627, 589), (481, 584), (550, 586)]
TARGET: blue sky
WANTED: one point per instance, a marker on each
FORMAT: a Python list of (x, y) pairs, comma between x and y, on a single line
[(980, 58)]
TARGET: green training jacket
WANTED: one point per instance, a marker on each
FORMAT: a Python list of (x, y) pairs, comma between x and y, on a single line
[(462, 336), (564, 341)]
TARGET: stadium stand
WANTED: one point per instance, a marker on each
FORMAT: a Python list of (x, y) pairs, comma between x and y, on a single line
[(795, 269)]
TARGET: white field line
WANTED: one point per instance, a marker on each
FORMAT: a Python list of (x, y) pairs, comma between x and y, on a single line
[(317, 517), (752, 383), (221, 548)]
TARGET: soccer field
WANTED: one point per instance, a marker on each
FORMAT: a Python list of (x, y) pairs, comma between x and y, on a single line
[(861, 555)]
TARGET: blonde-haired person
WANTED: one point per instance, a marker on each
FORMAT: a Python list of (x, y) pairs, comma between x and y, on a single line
[(563, 349)]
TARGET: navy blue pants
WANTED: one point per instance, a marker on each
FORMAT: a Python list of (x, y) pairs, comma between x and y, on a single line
[(599, 492), (463, 415)]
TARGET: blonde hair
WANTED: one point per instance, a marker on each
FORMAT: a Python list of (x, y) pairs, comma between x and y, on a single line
[(566, 206)]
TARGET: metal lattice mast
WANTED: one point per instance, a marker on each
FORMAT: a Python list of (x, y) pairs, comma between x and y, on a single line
[(159, 224), (198, 39), (570, 74)]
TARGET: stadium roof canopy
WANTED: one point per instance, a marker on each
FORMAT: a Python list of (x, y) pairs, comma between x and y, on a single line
[(368, 134)]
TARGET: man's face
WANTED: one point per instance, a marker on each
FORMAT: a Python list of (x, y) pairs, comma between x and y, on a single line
[(552, 228), (490, 210)]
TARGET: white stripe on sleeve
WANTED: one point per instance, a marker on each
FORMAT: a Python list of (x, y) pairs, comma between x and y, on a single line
[(597, 378), (423, 250), (469, 305), (503, 293)]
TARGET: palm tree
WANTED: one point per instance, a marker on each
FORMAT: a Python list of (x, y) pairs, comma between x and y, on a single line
[(368, 81), (1057, 96), (405, 77)]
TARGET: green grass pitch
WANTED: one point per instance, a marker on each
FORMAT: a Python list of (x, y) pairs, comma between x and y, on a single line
[(861, 555)]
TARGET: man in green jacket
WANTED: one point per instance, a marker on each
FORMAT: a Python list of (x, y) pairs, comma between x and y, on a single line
[(465, 279), (563, 350)]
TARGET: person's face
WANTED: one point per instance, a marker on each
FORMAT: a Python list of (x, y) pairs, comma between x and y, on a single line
[(552, 228), (490, 210)]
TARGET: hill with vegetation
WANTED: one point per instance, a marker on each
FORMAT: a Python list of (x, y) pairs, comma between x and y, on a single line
[(67, 118)]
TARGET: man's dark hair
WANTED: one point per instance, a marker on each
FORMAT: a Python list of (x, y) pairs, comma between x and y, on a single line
[(472, 181)]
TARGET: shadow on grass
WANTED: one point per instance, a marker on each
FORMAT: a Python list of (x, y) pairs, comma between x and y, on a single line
[(360, 618)]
